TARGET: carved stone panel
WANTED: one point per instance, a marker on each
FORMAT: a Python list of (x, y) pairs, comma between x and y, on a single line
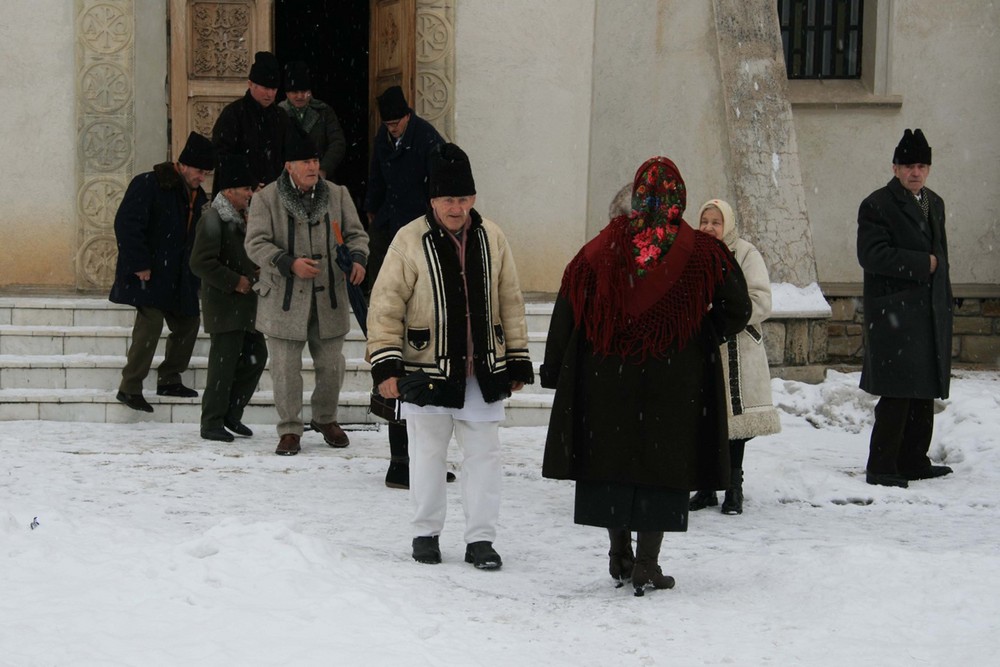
[(105, 121), (220, 40), (435, 63)]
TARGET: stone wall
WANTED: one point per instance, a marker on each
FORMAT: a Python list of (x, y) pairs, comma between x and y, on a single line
[(796, 347), (975, 334)]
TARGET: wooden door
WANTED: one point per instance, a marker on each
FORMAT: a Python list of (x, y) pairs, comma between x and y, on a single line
[(392, 56), (212, 45)]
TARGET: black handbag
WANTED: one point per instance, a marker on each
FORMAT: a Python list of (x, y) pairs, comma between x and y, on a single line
[(386, 408), (419, 388)]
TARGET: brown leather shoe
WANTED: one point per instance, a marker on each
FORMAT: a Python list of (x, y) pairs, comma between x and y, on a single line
[(332, 433), (288, 445)]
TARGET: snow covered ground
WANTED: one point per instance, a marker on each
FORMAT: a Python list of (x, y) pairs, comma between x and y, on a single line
[(154, 547)]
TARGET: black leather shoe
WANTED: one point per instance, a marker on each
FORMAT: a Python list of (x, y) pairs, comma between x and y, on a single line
[(928, 473), (702, 499), (237, 427), (217, 433), (886, 479), (134, 401), (176, 390), (482, 556), (426, 550)]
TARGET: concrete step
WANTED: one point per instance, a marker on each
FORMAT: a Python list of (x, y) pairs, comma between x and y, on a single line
[(93, 405), (113, 341), (61, 359), (99, 312)]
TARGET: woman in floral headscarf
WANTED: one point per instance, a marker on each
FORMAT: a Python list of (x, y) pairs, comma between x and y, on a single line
[(639, 419)]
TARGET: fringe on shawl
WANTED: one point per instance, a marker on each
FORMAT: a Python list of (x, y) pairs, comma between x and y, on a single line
[(600, 283)]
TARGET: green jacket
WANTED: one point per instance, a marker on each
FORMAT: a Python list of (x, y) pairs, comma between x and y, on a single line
[(219, 259)]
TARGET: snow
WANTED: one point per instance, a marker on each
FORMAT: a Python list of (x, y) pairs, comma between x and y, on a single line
[(154, 547), (788, 300)]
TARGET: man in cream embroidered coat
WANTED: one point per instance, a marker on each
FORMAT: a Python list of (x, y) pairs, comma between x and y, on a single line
[(448, 302), (302, 294)]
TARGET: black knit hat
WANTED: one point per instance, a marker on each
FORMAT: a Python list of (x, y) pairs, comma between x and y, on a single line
[(392, 104), (265, 71), (198, 152), (298, 145), (450, 172), (297, 77), (912, 149), (233, 172)]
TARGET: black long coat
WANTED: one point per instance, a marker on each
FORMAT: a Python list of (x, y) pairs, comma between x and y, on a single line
[(154, 227), (907, 309), (397, 182), (659, 423), (244, 127)]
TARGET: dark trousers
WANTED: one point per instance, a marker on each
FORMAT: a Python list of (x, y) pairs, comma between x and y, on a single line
[(145, 335), (379, 239), (235, 363), (901, 435)]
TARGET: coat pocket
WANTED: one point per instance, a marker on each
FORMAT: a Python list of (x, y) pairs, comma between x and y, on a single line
[(418, 339), (262, 287), (498, 332)]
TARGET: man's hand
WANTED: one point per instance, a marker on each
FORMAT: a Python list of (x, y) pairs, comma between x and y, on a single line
[(357, 274), (243, 287), (388, 388), (305, 268), (933, 263), (371, 219), (144, 275), (516, 386)]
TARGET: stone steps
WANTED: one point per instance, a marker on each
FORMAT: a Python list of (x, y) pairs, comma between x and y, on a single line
[(61, 359)]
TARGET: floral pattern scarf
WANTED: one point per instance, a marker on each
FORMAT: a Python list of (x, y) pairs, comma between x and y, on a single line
[(658, 200)]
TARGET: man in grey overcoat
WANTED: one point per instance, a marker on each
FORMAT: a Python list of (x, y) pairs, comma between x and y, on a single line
[(238, 352), (903, 250), (292, 235)]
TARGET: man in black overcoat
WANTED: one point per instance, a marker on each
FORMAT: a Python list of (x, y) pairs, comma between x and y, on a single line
[(903, 250), (154, 227)]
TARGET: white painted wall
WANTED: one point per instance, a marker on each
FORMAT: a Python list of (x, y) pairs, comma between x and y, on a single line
[(37, 132), (944, 61), (657, 91), (522, 113)]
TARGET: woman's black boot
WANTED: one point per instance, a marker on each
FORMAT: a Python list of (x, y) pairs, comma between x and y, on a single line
[(398, 474), (621, 559), (646, 572), (733, 502)]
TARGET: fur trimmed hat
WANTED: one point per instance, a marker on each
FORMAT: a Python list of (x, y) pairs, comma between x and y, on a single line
[(265, 71), (392, 104), (912, 149), (198, 152), (298, 146), (297, 76), (450, 173), (233, 172)]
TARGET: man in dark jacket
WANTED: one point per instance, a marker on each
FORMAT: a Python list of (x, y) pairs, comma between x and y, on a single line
[(155, 228), (254, 125), (239, 352), (397, 183), (908, 315), (314, 117), (397, 194)]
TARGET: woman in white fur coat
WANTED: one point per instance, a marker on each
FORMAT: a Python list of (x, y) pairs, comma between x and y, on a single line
[(747, 378)]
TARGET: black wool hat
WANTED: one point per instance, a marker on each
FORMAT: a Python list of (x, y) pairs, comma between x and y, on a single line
[(265, 71), (450, 173), (392, 104), (297, 77), (912, 149), (298, 146), (198, 152), (233, 172)]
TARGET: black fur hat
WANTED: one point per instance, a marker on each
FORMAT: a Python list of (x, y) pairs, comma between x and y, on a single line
[(233, 172), (297, 76), (450, 172), (392, 104), (298, 145), (198, 152), (912, 149), (265, 71)]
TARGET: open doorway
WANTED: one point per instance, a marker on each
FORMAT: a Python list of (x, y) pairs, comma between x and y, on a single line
[(331, 36)]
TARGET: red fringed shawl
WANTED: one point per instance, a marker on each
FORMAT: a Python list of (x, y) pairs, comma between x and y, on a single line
[(624, 314)]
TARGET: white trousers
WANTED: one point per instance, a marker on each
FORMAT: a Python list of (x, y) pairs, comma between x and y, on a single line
[(429, 436)]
